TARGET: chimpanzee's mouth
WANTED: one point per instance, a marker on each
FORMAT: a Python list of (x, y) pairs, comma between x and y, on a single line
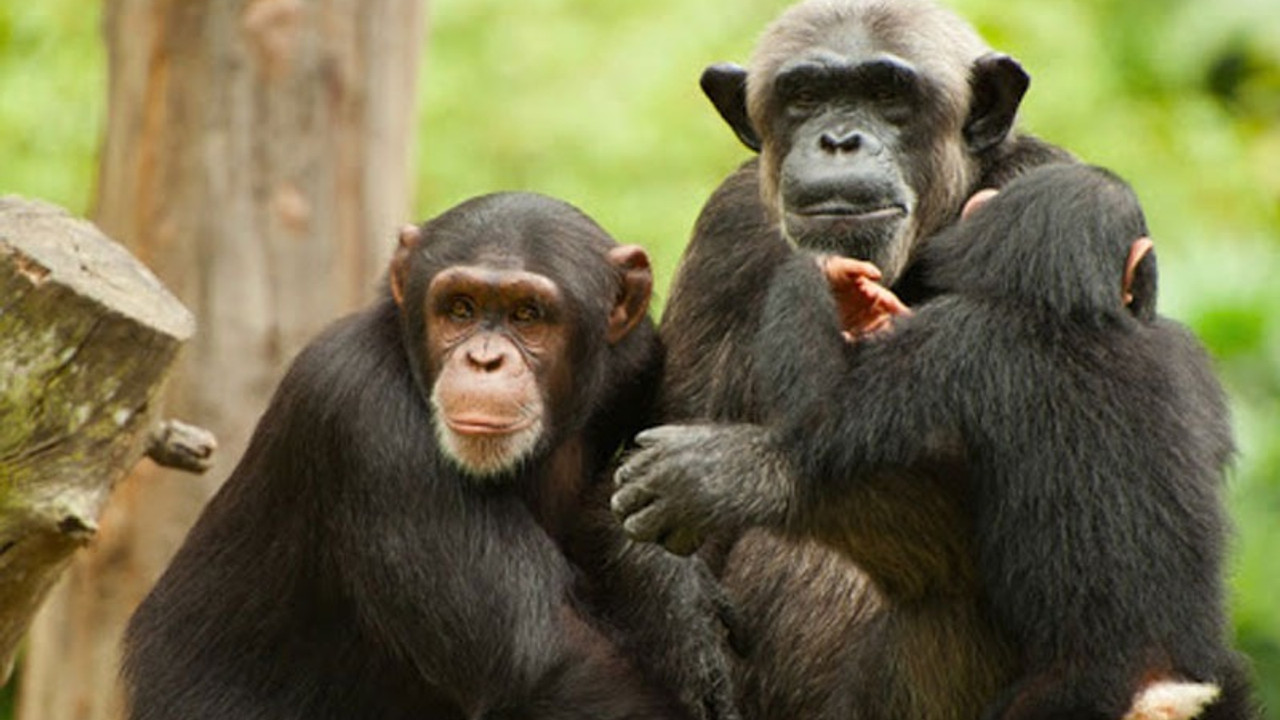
[(487, 426), (841, 211)]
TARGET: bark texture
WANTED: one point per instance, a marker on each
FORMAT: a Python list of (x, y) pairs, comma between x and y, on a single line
[(87, 337)]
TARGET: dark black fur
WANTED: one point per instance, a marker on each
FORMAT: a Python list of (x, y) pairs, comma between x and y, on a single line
[(1091, 440), (1029, 471), (347, 569)]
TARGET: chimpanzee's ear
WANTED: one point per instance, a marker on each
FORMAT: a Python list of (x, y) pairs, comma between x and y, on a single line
[(998, 83), (632, 304), (1139, 288), (977, 200), (410, 238), (725, 84)]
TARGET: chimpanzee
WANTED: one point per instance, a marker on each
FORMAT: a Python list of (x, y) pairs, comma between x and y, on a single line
[(417, 529), (1029, 468), (875, 121)]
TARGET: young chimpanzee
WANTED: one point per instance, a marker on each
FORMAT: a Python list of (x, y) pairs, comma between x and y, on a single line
[(1029, 468), (416, 529)]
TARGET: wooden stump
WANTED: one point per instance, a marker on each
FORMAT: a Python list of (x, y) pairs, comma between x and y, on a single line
[(87, 337)]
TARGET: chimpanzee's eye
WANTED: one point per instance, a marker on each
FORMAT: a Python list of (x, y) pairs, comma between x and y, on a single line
[(893, 90), (882, 93), (526, 313), (461, 309), (803, 102)]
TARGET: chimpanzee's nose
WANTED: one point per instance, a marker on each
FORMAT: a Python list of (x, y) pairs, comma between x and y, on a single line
[(833, 141)]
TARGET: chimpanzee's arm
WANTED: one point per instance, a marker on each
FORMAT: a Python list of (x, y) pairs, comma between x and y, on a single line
[(671, 614), (468, 590), (835, 411), (838, 409)]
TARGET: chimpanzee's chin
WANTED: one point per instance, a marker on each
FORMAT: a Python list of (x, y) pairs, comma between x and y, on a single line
[(873, 242)]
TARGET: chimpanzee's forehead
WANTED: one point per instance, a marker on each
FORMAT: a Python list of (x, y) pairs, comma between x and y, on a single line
[(914, 33), (557, 253), (526, 248), (845, 41), (852, 44), (820, 59), (485, 280), (497, 257)]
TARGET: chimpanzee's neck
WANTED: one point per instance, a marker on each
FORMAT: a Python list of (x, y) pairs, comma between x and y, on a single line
[(555, 486)]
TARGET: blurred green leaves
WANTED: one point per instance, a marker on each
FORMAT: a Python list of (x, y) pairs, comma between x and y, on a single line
[(52, 99)]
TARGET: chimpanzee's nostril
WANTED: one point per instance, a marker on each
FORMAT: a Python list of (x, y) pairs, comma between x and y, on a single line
[(841, 142), (484, 359)]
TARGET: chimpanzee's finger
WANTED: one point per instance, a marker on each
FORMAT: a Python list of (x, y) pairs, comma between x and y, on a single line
[(648, 524), (630, 499)]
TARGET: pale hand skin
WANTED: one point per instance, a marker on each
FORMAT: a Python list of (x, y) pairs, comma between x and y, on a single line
[(865, 306)]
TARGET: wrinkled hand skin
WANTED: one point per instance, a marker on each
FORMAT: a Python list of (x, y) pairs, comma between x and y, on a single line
[(686, 482), (865, 306)]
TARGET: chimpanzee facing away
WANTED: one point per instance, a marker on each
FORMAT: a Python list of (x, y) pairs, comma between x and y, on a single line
[(1029, 469), (416, 529), (875, 121)]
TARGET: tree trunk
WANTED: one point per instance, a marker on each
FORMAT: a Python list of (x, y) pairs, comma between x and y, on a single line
[(257, 159), (87, 337)]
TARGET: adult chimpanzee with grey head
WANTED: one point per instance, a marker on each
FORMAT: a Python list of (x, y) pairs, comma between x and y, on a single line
[(416, 529), (1037, 426), (875, 120)]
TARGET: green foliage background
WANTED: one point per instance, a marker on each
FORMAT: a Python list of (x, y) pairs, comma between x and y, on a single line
[(596, 101)]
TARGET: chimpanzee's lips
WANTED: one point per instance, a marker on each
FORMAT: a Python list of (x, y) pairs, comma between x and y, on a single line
[(840, 211), (477, 425)]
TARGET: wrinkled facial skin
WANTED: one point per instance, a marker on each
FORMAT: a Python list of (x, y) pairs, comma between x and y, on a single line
[(496, 346), (499, 349), (873, 122), (840, 130)]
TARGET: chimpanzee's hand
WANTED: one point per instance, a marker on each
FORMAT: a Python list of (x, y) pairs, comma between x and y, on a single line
[(688, 481), (865, 306)]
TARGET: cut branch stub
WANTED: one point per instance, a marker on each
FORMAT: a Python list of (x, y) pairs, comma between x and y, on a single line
[(87, 338), (180, 446)]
